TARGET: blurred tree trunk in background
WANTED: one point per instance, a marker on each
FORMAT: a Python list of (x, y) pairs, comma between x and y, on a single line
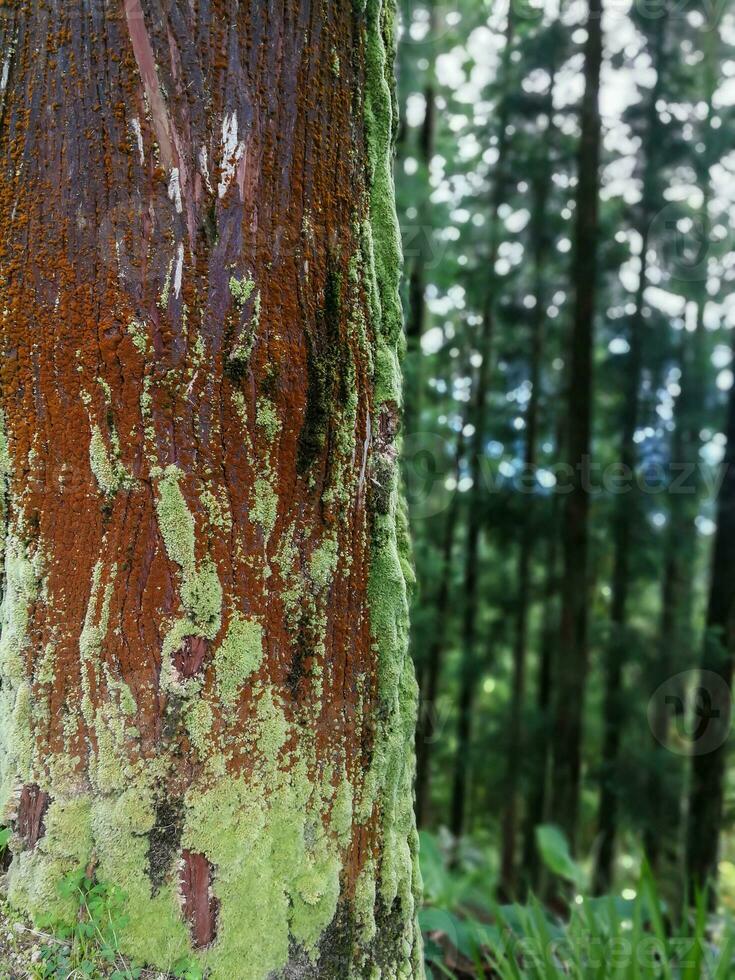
[(678, 638), (626, 507), (478, 418), (572, 661), (426, 730), (421, 242), (540, 748), (206, 693), (542, 242), (714, 699)]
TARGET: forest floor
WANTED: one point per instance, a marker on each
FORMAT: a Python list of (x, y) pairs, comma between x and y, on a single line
[(22, 946)]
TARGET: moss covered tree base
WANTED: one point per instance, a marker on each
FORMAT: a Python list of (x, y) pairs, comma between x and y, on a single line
[(206, 695)]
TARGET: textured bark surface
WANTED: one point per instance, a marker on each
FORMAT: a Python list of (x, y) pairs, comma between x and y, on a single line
[(203, 652)]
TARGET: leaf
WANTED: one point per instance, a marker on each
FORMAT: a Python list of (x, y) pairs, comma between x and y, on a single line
[(554, 850), (433, 870)]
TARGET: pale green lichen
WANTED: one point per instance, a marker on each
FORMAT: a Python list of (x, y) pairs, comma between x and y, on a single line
[(107, 391), (94, 630), (139, 335), (265, 505), (278, 867), (199, 719), (166, 290), (201, 591), (34, 876), (238, 657), (45, 672), (175, 520), (107, 468), (201, 596), (241, 289), (217, 509), (267, 419), (156, 931), (323, 563), (22, 591)]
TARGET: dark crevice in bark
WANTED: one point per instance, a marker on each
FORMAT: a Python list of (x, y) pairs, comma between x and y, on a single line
[(164, 840), (326, 361)]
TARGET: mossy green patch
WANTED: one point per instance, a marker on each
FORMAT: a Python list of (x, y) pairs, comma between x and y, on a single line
[(34, 876), (201, 591), (265, 505), (237, 657), (175, 520), (107, 468), (199, 718), (241, 289), (323, 563)]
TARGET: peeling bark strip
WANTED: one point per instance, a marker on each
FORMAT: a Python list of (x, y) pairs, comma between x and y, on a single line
[(200, 907), (32, 808), (189, 658), (203, 656)]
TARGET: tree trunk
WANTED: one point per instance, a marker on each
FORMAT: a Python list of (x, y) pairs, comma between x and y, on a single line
[(625, 515), (627, 504), (468, 663), (206, 695), (675, 650), (572, 664), (426, 728), (537, 806), (715, 703), (527, 542), (675, 653)]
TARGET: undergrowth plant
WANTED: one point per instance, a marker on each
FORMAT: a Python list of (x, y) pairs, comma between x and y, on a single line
[(88, 945), (467, 934), (91, 939)]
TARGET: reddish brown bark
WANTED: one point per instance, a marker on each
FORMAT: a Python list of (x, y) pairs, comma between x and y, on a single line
[(200, 906), (32, 808), (191, 294)]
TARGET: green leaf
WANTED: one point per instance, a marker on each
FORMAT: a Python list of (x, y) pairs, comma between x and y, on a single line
[(433, 869), (554, 850)]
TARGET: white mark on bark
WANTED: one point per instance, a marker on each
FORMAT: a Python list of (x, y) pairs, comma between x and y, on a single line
[(135, 124), (231, 152), (174, 189), (179, 269), (204, 168), (6, 72)]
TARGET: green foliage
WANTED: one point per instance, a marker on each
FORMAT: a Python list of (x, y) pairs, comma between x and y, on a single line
[(87, 945), (554, 850), (467, 933)]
